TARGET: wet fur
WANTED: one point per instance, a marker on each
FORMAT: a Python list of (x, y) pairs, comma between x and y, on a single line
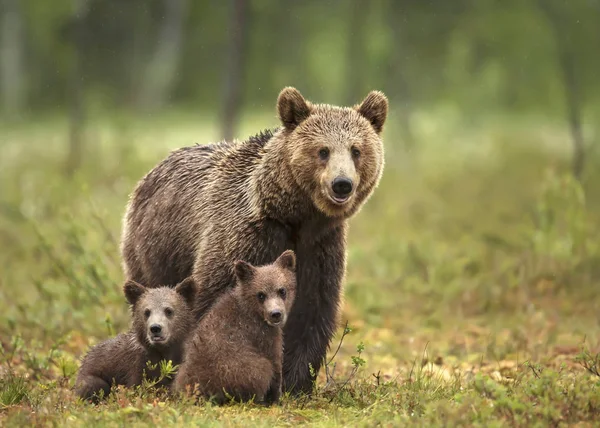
[(204, 207), (234, 350)]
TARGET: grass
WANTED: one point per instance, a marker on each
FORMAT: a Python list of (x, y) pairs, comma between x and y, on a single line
[(471, 296)]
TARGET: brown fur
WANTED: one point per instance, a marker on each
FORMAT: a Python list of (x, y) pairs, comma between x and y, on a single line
[(204, 207), (236, 349), (122, 360)]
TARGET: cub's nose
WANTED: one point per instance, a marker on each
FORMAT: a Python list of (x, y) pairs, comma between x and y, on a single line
[(275, 316), (341, 186), (155, 329)]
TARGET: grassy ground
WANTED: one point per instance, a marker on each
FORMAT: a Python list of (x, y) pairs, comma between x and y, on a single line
[(472, 291)]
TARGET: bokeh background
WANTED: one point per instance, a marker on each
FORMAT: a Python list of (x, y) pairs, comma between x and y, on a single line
[(481, 243)]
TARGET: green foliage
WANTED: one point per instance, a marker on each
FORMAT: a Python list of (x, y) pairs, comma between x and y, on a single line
[(477, 55)]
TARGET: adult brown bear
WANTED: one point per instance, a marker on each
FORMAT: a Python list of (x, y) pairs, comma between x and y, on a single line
[(204, 207)]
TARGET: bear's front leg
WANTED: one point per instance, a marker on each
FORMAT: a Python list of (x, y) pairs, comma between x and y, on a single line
[(275, 389), (90, 387), (308, 332)]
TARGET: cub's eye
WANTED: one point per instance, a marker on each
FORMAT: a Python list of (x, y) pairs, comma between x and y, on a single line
[(324, 154), (261, 297), (147, 313), (281, 292), (169, 312), (355, 153)]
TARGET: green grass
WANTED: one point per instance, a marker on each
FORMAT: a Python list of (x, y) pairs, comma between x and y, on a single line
[(472, 289)]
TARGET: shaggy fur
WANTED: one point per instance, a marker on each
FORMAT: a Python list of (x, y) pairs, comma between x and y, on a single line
[(237, 348), (122, 360), (204, 207)]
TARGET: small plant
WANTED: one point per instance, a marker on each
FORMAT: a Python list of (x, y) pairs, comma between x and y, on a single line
[(330, 366), (167, 371), (109, 325), (357, 361), (589, 361), (13, 390)]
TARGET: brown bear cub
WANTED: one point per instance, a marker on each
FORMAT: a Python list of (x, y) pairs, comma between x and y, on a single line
[(162, 320), (237, 349)]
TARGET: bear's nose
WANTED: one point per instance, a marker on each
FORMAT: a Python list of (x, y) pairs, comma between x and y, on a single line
[(155, 328), (342, 186), (275, 316)]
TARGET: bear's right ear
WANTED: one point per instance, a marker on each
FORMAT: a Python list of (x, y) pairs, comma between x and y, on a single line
[(133, 291), (292, 108), (244, 271), (187, 289), (287, 260), (374, 108)]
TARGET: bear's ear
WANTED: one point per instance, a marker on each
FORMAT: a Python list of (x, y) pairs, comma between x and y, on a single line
[(244, 271), (287, 260), (374, 108), (133, 291), (187, 289), (292, 108)]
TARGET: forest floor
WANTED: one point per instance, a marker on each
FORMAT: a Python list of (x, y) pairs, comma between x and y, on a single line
[(472, 293)]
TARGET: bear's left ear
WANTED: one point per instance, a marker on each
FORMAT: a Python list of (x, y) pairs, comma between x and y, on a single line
[(187, 289), (374, 108), (287, 260), (244, 271), (292, 108), (133, 291)]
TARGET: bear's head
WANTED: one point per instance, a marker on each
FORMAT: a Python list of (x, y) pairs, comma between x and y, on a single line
[(336, 153), (268, 291), (162, 317)]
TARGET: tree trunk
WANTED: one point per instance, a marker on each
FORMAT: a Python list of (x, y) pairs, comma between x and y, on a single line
[(76, 90), (566, 64), (356, 54), (397, 82), (160, 73), (11, 58), (236, 66)]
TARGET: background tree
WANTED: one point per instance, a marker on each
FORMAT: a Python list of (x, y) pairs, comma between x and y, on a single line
[(234, 70), (12, 69)]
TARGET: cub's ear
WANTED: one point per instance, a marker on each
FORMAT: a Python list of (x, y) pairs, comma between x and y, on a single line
[(133, 291), (187, 289), (244, 271), (287, 260), (292, 108), (374, 108)]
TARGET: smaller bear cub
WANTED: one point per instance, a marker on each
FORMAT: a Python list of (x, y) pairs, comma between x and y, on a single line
[(162, 321), (237, 349)]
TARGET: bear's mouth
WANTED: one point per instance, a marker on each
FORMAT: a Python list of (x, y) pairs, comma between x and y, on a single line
[(339, 200), (157, 339), (279, 323)]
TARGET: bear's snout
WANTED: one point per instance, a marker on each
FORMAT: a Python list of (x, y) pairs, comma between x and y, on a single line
[(157, 333), (342, 188), (275, 316)]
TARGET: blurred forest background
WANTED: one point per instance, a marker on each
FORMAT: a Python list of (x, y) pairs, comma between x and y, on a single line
[(525, 57), (477, 255)]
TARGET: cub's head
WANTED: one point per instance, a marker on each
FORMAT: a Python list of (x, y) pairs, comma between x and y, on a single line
[(336, 153), (162, 317), (268, 291)]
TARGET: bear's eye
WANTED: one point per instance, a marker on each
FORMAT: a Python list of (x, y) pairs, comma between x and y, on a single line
[(355, 153), (324, 154), (261, 297), (281, 292), (147, 313), (169, 312)]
